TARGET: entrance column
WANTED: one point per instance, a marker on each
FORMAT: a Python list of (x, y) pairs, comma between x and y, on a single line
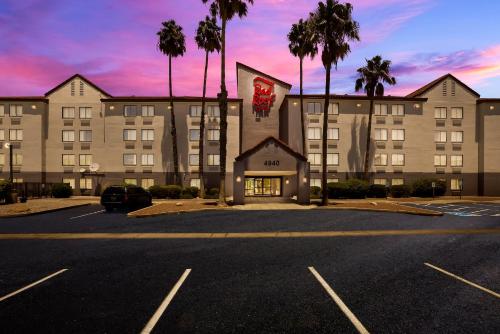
[(239, 182)]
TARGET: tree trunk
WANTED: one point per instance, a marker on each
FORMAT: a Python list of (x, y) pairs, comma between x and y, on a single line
[(324, 188), (173, 130), (202, 130), (302, 121), (368, 140), (223, 117)]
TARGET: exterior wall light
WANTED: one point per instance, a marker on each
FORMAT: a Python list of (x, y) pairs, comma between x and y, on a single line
[(295, 103), (112, 108), (492, 107), (304, 180), (33, 107), (233, 107), (287, 181), (358, 105), (169, 107), (238, 179), (417, 106)]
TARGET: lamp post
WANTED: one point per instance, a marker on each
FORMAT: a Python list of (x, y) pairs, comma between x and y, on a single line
[(11, 171)]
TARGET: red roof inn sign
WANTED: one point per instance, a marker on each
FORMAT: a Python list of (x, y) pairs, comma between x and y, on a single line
[(263, 96)]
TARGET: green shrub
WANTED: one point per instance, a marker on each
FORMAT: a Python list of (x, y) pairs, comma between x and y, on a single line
[(401, 190), (5, 192), (377, 191), (61, 190), (357, 188), (195, 191), (158, 191), (186, 194), (212, 193), (315, 192), (423, 188), (337, 190), (173, 191)]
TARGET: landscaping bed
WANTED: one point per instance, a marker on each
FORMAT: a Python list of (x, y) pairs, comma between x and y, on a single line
[(176, 206)]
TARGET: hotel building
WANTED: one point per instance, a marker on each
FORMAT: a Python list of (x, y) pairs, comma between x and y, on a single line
[(444, 130)]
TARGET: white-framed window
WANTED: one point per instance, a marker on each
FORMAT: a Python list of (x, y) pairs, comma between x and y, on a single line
[(398, 110), (440, 136), (148, 159), (129, 159), (130, 111), (397, 182), (313, 133), (380, 109), (85, 112), (440, 113), (82, 88), (213, 160), (69, 181), (85, 159), (332, 159), (440, 160), (68, 136), (380, 159), (381, 182), (381, 134), (2, 110), (16, 134), (332, 180), (195, 111), (148, 111), (398, 134), (457, 136), (129, 135), (147, 183), (398, 159), (130, 181), (17, 159), (313, 108), (333, 109), (85, 135), (456, 184), (147, 134), (2, 134), (315, 183), (18, 180), (314, 159), (195, 183), (333, 134), (213, 134), (2, 159), (68, 159), (456, 160), (457, 113), (194, 160), (16, 110), (85, 183), (213, 111), (68, 112), (194, 134)]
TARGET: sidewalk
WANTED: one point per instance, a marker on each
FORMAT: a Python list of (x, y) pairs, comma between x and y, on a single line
[(42, 205)]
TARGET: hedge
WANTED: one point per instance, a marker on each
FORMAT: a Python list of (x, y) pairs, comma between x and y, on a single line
[(169, 191), (352, 188), (315, 192), (337, 190), (377, 191), (5, 192), (423, 188), (212, 193), (62, 190), (399, 191)]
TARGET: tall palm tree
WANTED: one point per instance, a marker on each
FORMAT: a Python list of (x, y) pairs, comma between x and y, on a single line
[(371, 79), (171, 42), (208, 39), (335, 27), (226, 10), (303, 43)]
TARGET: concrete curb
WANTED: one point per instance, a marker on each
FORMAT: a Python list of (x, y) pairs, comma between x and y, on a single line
[(43, 212), (429, 214), (133, 215)]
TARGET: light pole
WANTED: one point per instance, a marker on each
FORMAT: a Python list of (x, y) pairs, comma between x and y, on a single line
[(11, 170)]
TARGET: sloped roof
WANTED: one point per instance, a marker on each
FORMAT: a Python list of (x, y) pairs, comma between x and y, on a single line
[(90, 83), (248, 68), (432, 84), (263, 143)]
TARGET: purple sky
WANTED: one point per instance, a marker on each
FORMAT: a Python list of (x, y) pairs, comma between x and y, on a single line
[(113, 43)]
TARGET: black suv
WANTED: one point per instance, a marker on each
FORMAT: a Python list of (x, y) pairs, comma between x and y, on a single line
[(125, 197)]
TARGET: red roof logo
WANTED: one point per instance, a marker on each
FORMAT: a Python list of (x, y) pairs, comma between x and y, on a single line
[(263, 96)]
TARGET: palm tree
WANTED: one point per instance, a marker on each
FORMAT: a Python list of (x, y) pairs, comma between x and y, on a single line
[(226, 10), (335, 27), (208, 39), (371, 79), (302, 43), (171, 42)]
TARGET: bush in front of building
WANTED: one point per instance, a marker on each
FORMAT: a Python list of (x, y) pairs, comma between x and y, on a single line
[(423, 188), (5, 192), (157, 191), (357, 189), (195, 191), (61, 190), (186, 194), (315, 192), (212, 193), (337, 190), (168, 191), (400, 191), (377, 191)]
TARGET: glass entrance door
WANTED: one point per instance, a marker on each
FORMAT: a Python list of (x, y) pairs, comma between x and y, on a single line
[(263, 186)]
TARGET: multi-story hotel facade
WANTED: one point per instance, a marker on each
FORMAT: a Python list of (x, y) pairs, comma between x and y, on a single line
[(443, 130)]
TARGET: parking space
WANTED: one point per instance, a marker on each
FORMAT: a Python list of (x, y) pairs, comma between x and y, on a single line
[(464, 209)]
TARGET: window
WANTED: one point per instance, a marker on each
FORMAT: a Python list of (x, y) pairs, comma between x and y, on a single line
[(72, 88), (397, 182), (453, 88), (68, 136), (315, 183), (457, 161), (213, 134), (85, 159), (129, 159), (71, 182), (213, 111), (314, 108), (85, 135), (398, 135), (148, 134), (380, 159), (445, 88), (398, 159), (456, 184), (194, 160), (440, 113), (314, 159), (333, 109), (2, 159), (16, 134), (2, 134), (2, 110), (440, 160), (148, 111), (194, 134), (85, 184), (332, 181), (147, 183), (132, 182), (314, 133), (17, 159), (457, 136), (148, 160), (457, 113), (195, 111), (16, 110), (129, 134), (85, 113), (380, 134), (18, 180), (398, 110), (332, 159), (333, 134), (195, 183), (82, 86), (380, 109), (130, 111), (213, 159), (68, 159), (68, 112), (381, 182), (440, 136)]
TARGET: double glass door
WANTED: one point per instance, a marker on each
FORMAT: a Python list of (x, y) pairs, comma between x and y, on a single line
[(263, 186)]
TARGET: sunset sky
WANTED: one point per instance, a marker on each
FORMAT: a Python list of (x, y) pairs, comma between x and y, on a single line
[(113, 43)]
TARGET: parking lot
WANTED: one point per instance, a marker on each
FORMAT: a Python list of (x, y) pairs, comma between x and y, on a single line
[(68, 275), (465, 209)]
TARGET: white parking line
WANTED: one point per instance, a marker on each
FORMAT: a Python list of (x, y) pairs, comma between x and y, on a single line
[(359, 326), (88, 214), (163, 306), (463, 280), (476, 212), (32, 285)]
